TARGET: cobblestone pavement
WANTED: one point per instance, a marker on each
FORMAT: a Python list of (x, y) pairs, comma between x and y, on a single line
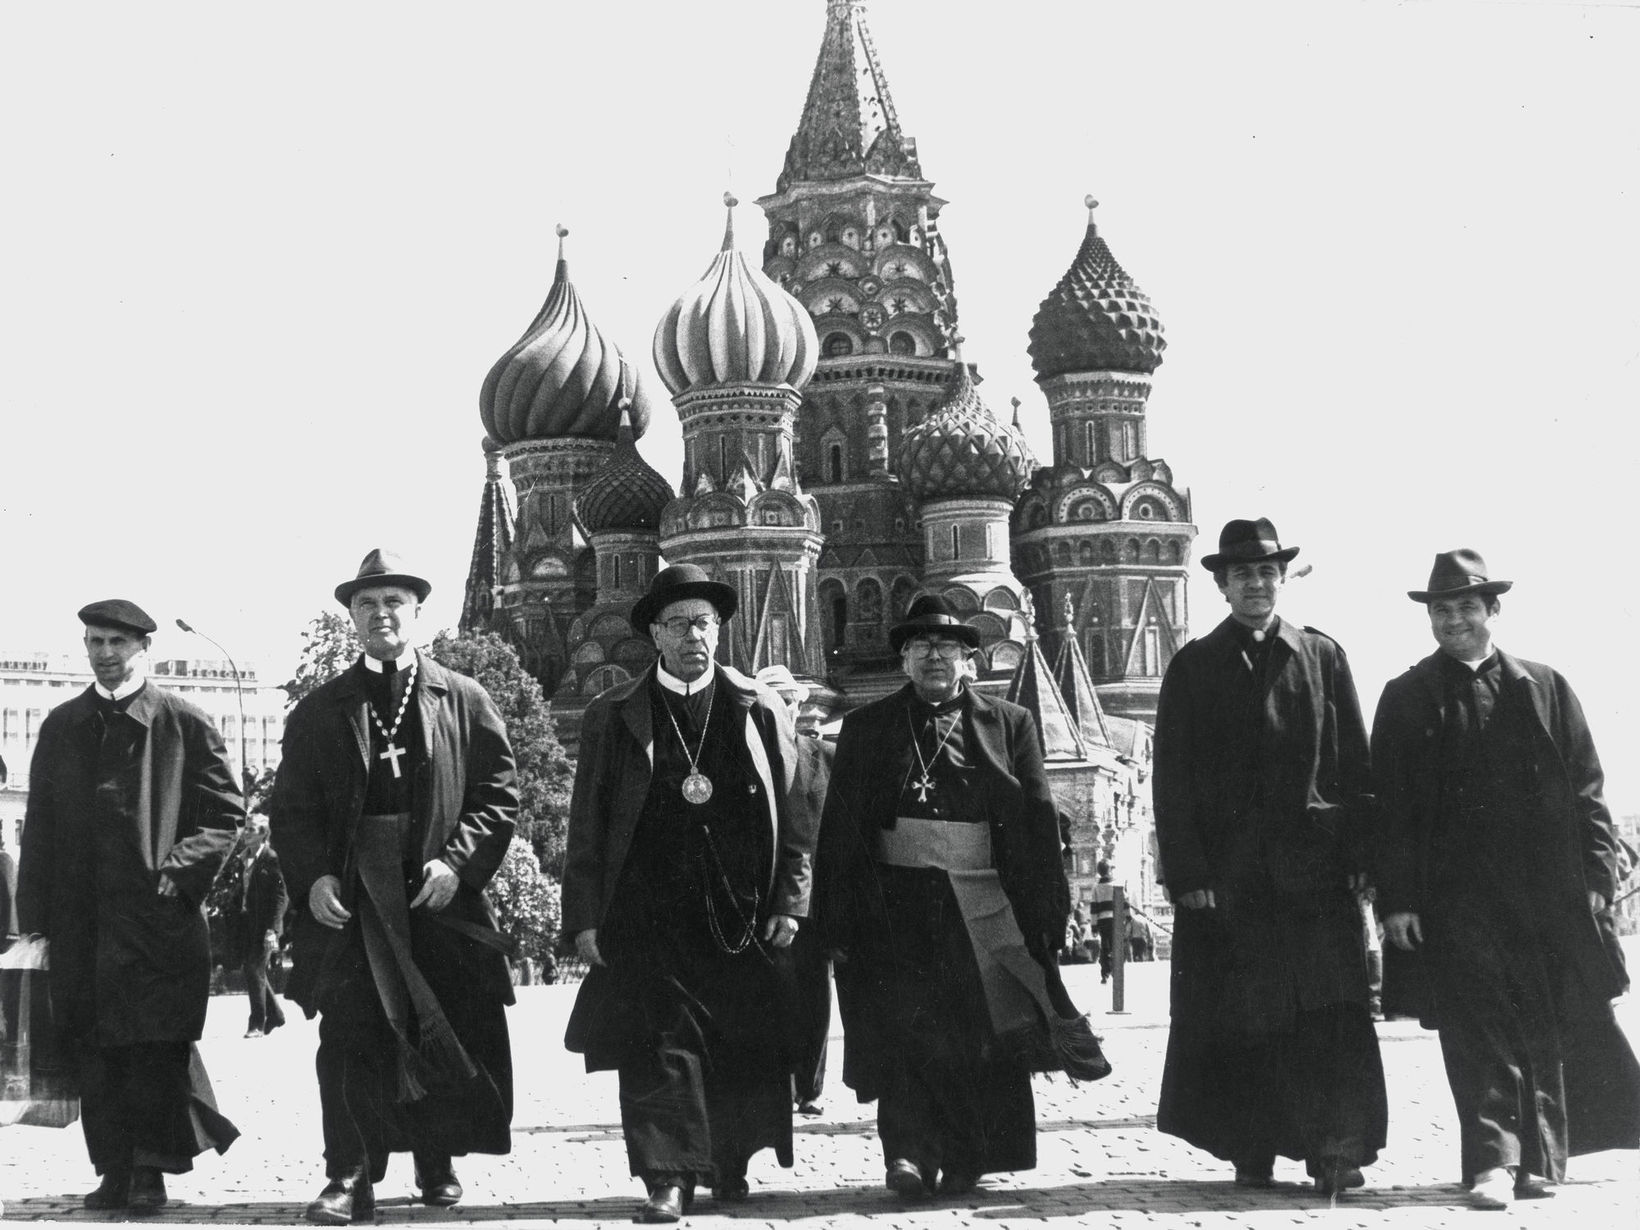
[(1101, 1160)]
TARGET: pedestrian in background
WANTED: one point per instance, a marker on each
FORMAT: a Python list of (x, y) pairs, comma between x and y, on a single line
[(1496, 865), (686, 879), (1261, 796), (259, 922), (132, 810), (1104, 919)]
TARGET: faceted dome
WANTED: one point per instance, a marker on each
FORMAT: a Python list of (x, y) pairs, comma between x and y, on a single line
[(961, 450), (1096, 319), (626, 493), (735, 326), (562, 378)]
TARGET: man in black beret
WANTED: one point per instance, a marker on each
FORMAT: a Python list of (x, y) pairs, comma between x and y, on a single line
[(1496, 869), (1262, 797), (132, 811), (393, 809)]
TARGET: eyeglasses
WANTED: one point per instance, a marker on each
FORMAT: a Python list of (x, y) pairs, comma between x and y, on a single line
[(680, 626), (948, 650)]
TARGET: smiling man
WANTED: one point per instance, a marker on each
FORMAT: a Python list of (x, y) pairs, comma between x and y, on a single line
[(395, 802), (686, 877), (1261, 797), (132, 809), (1496, 863)]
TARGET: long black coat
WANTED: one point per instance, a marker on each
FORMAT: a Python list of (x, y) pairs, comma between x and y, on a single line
[(1577, 850), (464, 803), (1281, 861), (127, 965), (874, 758), (259, 907)]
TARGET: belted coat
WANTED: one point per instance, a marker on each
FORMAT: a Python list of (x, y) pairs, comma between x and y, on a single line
[(127, 965)]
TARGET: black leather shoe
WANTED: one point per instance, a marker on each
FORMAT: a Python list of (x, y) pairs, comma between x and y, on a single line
[(731, 1186), (665, 1204), (437, 1180), (1338, 1176), (112, 1192), (147, 1190), (957, 1183), (906, 1181), (348, 1198)]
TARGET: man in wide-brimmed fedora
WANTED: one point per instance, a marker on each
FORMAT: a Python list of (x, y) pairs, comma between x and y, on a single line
[(132, 809), (394, 805), (686, 876), (1496, 865), (942, 889), (1261, 797)]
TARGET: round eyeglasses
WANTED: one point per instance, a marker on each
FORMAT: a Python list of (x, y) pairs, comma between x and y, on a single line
[(679, 626)]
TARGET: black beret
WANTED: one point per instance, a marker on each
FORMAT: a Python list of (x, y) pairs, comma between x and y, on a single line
[(118, 613)]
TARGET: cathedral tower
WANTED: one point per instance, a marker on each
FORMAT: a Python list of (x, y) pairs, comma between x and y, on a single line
[(734, 351), (1103, 526), (854, 236)]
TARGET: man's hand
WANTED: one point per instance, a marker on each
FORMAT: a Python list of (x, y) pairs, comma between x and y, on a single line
[(586, 946), (438, 885), (167, 886), (1358, 884), (270, 943), (325, 903), (1201, 899), (1403, 930), (781, 930), (1597, 901)]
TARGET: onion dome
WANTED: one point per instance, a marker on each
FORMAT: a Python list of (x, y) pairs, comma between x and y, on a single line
[(562, 378), (961, 450), (735, 326), (626, 493), (1096, 319)]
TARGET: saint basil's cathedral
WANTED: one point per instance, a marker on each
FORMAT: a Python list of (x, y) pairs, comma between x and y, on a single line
[(839, 460)]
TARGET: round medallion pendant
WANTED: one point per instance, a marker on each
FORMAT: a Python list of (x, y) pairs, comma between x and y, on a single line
[(697, 788)]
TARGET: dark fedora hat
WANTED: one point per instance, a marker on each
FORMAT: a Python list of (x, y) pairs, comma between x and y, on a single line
[(674, 584), (383, 567), (118, 613), (1247, 542), (929, 614), (1459, 572)]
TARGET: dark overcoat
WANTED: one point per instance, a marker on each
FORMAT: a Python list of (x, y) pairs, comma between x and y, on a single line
[(612, 776), (1268, 807), (259, 907), (1576, 848), (464, 803), (127, 965), (874, 758)]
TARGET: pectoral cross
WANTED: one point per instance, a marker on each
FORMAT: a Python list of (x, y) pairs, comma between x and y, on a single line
[(923, 785), (393, 752)]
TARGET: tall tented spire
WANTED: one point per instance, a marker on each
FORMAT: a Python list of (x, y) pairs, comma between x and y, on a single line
[(1076, 685), (1033, 687), (849, 125), (492, 543)]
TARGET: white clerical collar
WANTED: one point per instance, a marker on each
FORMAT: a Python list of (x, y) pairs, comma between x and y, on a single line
[(672, 683), (374, 664), (1475, 666), (125, 689)]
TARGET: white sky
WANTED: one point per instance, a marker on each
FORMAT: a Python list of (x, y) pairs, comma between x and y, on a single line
[(258, 260)]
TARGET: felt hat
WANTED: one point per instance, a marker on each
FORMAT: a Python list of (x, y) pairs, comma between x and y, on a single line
[(781, 679), (118, 613), (383, 567), (674, 584), (1459, 572), (930, 614), (1247, 542)]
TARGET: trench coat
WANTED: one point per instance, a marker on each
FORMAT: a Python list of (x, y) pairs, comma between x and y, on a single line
[(464, 800), (1271, 809), (127, 965), (874, 758), (612, 776), (1577, 848)]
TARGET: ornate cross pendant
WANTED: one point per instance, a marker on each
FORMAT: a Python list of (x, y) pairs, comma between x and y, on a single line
[(924, 784)]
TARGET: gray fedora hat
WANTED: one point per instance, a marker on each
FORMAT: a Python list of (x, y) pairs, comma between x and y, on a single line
[(1247, 542), (383, 567), (1456, 573)]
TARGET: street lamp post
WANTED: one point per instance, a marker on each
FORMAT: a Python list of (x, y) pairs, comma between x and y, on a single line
[(239, 695)]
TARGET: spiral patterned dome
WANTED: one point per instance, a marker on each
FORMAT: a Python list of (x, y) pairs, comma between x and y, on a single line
[(962, 450), (627, 493), (1096, 319), (734, 326), (562, 378)]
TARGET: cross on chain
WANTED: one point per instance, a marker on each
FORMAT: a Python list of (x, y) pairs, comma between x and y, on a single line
[(923, 785), (393, 752)]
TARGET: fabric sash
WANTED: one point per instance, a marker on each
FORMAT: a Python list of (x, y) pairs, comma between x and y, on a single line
[(935, 843), (384, 923)]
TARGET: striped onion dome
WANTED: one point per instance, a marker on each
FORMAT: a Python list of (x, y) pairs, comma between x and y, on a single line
[(961, 449), (734, 326), (626, 493), (562, 378), (1096, 319)]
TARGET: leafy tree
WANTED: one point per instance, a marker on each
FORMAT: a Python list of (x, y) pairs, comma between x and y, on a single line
[(329, 647), (526, 902)]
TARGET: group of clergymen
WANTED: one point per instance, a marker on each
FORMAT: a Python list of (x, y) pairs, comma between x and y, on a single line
[(716, 859)]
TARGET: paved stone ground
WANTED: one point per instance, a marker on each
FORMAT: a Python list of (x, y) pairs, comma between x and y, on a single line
[(1101, 1160)]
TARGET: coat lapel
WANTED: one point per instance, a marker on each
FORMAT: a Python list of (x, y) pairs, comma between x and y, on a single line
[(355, 706), (635, 713)]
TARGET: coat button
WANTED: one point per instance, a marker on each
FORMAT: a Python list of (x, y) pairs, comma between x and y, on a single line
[(751, 788)]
